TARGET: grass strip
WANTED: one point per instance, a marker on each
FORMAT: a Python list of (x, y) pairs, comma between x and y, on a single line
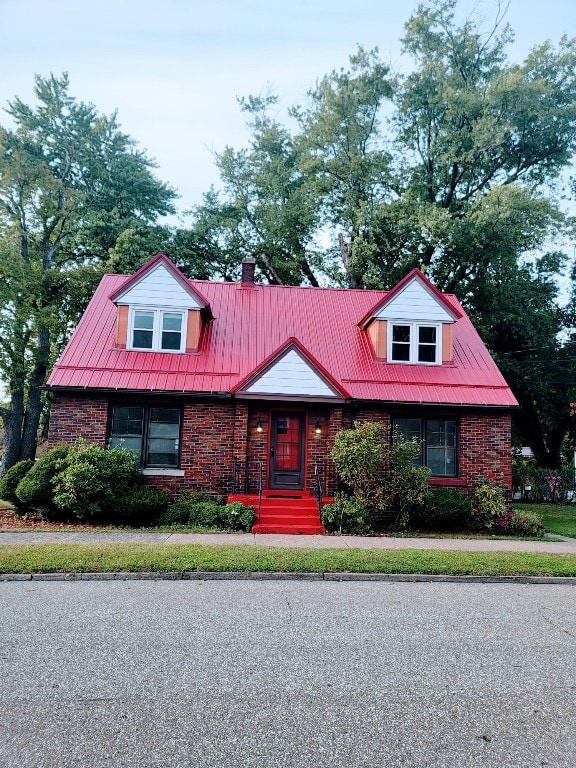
[(82, 558), (557, 518)]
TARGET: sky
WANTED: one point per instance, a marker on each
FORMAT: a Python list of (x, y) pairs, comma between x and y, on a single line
[(173, 69)]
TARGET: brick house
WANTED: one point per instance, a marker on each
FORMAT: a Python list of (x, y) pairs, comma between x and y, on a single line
[(240, 388)]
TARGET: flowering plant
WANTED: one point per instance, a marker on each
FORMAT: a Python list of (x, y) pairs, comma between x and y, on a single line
[(489, 499)]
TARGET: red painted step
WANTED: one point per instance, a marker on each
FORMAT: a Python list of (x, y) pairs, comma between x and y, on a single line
[(283, 512)]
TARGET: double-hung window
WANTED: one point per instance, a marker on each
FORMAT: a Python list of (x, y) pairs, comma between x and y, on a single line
[(152, 431), (415, 343), (158, 330), (439, 443)]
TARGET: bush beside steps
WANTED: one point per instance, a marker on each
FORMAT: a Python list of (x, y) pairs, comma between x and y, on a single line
[(84, 483)]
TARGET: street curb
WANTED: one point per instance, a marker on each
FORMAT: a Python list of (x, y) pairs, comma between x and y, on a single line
[(284, 576)]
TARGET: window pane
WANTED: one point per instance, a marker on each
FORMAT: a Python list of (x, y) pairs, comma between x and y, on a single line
[(168, 415), (400, 352), (426, 335), (401, 333), (158, 429), (408, 427), (163, 437), (441, 447), (440, 432), (426, 353), (426, 344), (142, 339), (127, 420), (143, 320), (171, 340), (162, 452), (127, 443), (172, 321), (441, 461)]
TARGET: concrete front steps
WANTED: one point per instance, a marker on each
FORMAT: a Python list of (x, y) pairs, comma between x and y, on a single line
[(283, 512)]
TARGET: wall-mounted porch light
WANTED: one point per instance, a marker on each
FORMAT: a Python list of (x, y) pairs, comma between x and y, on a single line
[(318, 428), (259, 425)]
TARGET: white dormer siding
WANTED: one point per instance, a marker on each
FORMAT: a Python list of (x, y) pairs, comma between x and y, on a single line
[(291, 375), (159, 288), (417, 304)]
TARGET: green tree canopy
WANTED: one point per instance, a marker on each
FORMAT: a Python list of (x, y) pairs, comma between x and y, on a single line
[(454, 167), (71, 183)]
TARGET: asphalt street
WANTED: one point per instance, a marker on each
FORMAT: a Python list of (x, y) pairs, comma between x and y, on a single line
[(245, 673)]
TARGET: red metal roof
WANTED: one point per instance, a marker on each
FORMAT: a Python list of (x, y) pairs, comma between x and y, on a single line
[(253, 323)]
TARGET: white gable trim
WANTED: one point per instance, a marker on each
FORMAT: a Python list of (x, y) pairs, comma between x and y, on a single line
[(291, 375), (159, 288), (416, 302)]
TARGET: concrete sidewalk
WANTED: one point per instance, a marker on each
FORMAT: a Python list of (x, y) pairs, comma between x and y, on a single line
[(564, 547)]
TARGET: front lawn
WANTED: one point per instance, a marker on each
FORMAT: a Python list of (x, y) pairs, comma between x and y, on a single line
[(557, 518), (82, 558)]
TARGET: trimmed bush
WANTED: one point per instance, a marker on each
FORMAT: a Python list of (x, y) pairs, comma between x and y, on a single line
[(192, 508), (174, 514), (141, 506), (237, 517), (36, 489), (519, 524), (346, 515), (92, 481), (10, 481), (443, 509), (205, 514)]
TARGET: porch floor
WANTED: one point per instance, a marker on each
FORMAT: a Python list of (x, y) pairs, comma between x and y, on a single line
[(293, 512)]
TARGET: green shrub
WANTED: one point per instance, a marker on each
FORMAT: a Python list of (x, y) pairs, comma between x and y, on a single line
[(10, 481), (443, 509), (346, 515), (489, 501), (174, 514), (191, 508), (141, 506), (36, 489), (92, 480), (519, 524), (405, 485), (237, 517), (360, 456), (204, 514)]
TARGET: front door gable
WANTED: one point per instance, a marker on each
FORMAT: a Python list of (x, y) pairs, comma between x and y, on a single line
[(291, 373)]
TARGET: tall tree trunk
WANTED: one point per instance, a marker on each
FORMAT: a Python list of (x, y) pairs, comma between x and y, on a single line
[(34, 404), (13, 416)]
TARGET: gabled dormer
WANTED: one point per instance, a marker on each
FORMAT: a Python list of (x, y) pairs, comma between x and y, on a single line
[(158, 310), (291, 373), (413, 323)]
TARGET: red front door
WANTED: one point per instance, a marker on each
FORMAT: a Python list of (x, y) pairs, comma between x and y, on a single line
[(287, 451)]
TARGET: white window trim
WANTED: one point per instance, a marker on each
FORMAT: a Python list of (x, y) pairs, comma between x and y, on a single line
[(414, 342), (157, 329)]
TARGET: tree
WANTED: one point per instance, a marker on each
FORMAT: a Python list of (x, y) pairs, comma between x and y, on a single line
[(480, 139), (343, 157), (455, 167), (269, 210), (70, 184)]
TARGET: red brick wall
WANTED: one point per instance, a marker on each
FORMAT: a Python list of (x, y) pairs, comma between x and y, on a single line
[(74, 417), (485, 446), (216, 432)]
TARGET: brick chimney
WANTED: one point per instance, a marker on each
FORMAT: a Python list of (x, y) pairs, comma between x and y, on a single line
[(248, 268)]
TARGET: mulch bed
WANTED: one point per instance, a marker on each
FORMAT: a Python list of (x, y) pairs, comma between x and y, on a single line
[(8, 520)]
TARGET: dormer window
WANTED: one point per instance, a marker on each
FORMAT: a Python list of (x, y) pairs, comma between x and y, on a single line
[(158, 330), (415, 343)]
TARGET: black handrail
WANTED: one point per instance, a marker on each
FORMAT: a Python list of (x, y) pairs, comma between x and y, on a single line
[(318, 487), (260, 486), (248, 478)]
